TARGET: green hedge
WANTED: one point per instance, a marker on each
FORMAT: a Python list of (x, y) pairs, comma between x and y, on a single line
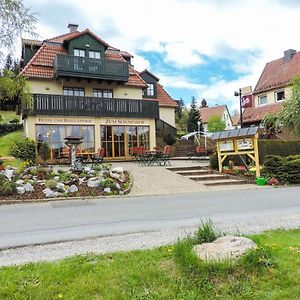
[(10, 127), (286, 169), (274, 147)]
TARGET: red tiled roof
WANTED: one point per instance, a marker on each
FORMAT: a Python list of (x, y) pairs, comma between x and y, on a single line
[(278, 73), (135, 79), (256, 114), (61, 38), (41, 64), (207, 112), (235, 120), (165, 100)]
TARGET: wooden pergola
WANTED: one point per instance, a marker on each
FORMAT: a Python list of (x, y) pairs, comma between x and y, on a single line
[(238, 142)]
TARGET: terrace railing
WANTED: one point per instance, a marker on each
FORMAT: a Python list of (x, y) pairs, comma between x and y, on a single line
[(60, 105), (102, 69)]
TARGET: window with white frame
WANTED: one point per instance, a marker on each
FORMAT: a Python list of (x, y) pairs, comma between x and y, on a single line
[(95, 54), (73, 91), (262, 100), (279, 96), (79, 52), (102, 93), (150, 90)]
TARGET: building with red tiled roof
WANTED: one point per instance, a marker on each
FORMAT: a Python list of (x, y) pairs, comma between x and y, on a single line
[(221, 111), (82, 86), (273, 87)]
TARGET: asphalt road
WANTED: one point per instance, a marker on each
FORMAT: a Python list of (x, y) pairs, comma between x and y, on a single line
[(39, 223)]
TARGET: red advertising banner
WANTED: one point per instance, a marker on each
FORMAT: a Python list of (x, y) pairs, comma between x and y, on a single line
[(247, 101)]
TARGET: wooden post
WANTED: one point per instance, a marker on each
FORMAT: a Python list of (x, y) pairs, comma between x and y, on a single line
[(256, 155), (219, 157)]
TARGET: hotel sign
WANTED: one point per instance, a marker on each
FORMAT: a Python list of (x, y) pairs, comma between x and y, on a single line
[(70, 121), (122, 122)]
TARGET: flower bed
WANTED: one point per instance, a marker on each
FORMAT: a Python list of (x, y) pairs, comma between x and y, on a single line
[(43, 182)]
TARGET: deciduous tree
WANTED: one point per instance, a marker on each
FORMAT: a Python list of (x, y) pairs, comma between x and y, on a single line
[(215, 123), (290, 114)]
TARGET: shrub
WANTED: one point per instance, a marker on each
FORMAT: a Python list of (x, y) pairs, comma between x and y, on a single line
[(7, 188), (10, 127), (213, 160), (44, 151), (1, 162), (169, 139), (24, 149), (51, 184), (286, 169), (274, 147)]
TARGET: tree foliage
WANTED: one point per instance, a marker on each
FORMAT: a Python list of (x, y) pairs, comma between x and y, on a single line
[(290, 114), (24, 149), (15, 20), (215, 123), (193, 117), (14, 90), (44, 151), (272, 123)]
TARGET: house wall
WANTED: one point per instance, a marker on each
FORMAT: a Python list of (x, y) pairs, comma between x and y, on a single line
[(271, 95), (56, 87), (167, 114), (226, 118)]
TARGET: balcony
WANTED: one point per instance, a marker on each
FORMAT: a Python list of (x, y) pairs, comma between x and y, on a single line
[(101, 69), (59, 105)]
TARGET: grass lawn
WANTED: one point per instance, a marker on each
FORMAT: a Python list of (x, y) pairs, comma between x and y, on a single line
[(155, 274), (5, 141), (8, 116)]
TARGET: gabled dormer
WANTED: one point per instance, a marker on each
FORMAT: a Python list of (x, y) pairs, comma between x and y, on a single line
[(86, 58), (84, 44), (151, 80)]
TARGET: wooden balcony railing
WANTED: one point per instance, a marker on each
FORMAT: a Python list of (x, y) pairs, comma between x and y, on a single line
[(103, 69), (59, 105)]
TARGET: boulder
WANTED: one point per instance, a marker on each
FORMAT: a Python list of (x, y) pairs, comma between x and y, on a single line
[(56, 178), (9, 173), (60, 185), (19, 182), (20, 190), (93, 182), (119, 176), (28, 187), (225, 247), (72, 189), (118, 170), (107, 190)]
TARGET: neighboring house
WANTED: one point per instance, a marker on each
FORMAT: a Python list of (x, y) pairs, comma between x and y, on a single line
[(218, 110), (167, 105), (273, 87), (84, 87), (236, 121)]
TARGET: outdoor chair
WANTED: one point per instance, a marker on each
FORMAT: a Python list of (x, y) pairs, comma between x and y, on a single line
[(166, 155)]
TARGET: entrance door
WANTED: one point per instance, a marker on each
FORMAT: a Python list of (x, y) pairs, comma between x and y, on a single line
[(113, 141)]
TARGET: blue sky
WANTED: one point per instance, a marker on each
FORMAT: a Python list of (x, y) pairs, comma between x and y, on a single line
[(202, 48)]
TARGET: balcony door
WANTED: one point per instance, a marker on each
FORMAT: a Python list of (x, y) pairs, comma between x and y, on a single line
[(113, 141)]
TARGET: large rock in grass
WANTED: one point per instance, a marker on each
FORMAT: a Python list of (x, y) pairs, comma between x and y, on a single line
[(225, 247)]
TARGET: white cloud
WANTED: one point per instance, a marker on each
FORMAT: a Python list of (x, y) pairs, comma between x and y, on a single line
[(249, 33)]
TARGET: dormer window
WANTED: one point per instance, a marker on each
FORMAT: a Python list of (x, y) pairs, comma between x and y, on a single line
[(150, 90), (95, 54), (279, 96), (79, 52)]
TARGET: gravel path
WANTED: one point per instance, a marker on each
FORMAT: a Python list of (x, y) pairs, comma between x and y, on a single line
[(140, 241)]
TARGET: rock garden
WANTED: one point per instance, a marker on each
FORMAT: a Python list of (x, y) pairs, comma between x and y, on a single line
[(43, 182)]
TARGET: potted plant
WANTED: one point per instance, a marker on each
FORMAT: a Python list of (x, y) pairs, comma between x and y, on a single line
[(2, 167)]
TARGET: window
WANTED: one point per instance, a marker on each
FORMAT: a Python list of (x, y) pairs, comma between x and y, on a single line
[(72, 91), (262, 100), (79, 52), (94, 54), (279, 96), (102, 93), (150, 90)]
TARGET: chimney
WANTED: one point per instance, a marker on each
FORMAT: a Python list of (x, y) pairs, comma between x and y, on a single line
[(288, 54), (73, 27)]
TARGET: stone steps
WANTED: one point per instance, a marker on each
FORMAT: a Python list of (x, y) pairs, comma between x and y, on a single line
[(208, 177), (225, 182), (194, 172)]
